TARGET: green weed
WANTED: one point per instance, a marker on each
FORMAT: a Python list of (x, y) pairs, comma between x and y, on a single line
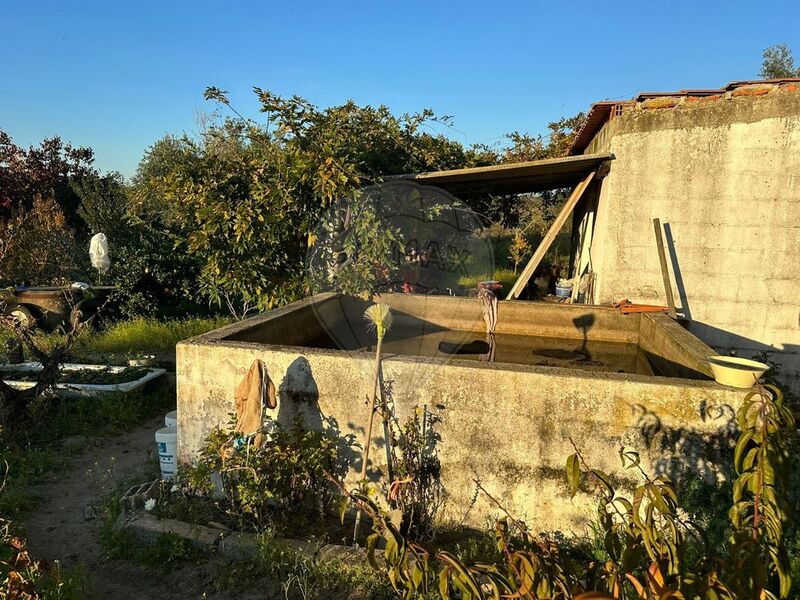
[(145, 335), (63, 429), (125, 339)]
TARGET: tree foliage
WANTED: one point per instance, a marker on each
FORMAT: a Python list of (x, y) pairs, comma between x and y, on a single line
[(778, 63), (38, 245), (227, 217), (555, 145), (147, 265), (514, 210), (249, 198), (42, 171)]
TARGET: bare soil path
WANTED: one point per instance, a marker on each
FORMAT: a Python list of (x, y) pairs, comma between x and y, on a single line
[(59, 528)]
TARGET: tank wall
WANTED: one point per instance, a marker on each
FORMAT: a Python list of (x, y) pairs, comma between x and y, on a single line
[(508, 426), (523, 318)]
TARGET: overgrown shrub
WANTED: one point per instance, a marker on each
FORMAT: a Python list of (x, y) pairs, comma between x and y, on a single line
[(415, 487), (287, 474), (650, 548), (39, 246)]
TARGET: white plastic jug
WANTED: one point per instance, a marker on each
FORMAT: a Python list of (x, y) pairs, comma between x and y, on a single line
[(171, 419), (167, 445)]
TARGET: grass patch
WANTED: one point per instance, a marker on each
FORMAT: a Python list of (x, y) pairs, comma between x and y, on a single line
[(165, 554), (292, 575), (145, 335), (26, 467), (106, 414), (274, 569), (504, 276), (125, 339)]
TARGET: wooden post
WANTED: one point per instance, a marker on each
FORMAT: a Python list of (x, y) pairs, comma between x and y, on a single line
[(662, 257), (537, 257)]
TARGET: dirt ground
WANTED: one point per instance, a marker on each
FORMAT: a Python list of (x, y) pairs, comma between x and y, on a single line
[(60, 530)]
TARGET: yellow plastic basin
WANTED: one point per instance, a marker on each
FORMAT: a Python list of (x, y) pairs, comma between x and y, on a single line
[(735, 371)]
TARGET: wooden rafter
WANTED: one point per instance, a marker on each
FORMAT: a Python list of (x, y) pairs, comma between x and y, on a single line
[(548, 239)]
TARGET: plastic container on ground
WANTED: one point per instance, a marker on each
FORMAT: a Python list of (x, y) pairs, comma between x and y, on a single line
[(171, 419), (167, 445), (563, 291)]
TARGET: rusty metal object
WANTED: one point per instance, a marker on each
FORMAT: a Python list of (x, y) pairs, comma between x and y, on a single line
[(627, 307), (51, 307)]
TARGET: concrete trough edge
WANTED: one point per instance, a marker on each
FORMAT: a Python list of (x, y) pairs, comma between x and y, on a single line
[(695, 350), (236, 544)]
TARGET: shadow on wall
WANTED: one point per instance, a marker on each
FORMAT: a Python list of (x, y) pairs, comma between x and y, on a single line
[(299, 398), (682, 449), (785, 363), (676, 269), (724, 341)]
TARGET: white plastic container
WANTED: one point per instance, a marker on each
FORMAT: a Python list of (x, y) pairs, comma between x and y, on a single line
[(735, 371), (167, 445), (171, 419)]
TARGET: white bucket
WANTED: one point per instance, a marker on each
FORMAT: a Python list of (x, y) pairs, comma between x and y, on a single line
[(167, 445), (171, 419)]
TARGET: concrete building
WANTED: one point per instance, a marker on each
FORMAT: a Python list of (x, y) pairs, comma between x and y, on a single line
[(721, 170)]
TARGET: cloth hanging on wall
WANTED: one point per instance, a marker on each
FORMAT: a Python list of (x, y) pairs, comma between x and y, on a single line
[(255, 392)]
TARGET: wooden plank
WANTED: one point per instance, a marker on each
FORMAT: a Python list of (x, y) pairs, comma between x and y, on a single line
[(582, 264), (550, 237), (662, 257)]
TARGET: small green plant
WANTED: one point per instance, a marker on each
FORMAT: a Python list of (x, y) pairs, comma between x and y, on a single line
[(414, 468), (164, 554), (519, 248), (286, 474), (760, 510)]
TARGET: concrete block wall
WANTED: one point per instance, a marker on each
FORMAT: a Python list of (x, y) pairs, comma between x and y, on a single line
[(724, 177)]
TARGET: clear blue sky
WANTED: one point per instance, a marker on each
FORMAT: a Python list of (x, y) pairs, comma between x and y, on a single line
[(117, 75)]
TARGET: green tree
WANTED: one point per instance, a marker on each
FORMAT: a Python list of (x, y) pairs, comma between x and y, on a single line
[(778, 63), (38, 246), (555, 144), (249, 201), (510, 210), (147, 190), (42, 171), (153, 276), (103, 203)]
